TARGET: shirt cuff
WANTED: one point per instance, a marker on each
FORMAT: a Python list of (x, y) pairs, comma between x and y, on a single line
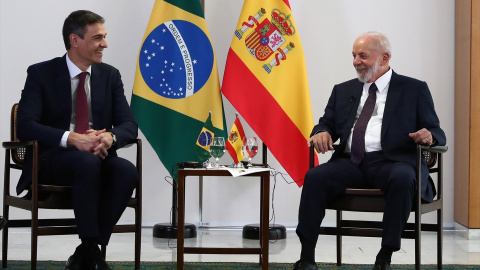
[(63, 142)]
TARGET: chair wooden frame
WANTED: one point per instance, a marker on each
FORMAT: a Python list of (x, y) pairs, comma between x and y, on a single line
[(53, 197), (371, 200)]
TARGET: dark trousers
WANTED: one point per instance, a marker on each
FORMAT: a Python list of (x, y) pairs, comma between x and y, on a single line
[(101, 189), (327, 181)]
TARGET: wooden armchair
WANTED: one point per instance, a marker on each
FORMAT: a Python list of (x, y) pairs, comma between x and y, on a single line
[(371, 200), (52, 197)]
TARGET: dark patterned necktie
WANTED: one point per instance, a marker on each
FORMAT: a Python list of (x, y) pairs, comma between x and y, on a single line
[(81, 109), (358, 136)]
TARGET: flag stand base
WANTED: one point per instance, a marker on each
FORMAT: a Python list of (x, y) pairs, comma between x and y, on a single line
[(167, 230), (275, 231)]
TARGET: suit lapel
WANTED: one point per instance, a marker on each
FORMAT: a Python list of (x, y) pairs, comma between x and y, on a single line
[(63, 89), (96, 94), (393, 96), (357, 96), (352, 106)]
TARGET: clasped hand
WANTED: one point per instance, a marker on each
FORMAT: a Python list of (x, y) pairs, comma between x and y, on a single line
[(95, 141)]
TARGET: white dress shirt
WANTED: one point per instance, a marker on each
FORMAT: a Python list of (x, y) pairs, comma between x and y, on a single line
[(374, 126), (74, 81)]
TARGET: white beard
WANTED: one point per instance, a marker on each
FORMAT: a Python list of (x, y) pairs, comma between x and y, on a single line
[(369, 74)]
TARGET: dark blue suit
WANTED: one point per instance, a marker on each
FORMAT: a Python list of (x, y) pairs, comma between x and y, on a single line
[(409, 108), (44, 114)]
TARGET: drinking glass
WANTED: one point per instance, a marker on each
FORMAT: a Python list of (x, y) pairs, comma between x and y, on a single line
[(217, 149), (250, 148)]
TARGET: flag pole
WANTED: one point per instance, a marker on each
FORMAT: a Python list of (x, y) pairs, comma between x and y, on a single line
[(200, 178)]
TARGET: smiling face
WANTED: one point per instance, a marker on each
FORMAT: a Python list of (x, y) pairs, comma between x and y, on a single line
[(369, 60), (88, 50)]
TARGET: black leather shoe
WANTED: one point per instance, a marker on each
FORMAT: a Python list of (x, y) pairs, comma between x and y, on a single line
[(382, 265), (3, 222), (94, 259), (299, 265), (75, 262)]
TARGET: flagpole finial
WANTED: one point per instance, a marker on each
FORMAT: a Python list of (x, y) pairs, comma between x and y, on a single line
[(236, 114), (210, 112)]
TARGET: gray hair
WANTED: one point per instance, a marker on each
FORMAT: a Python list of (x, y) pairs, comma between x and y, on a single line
[(382, 44)]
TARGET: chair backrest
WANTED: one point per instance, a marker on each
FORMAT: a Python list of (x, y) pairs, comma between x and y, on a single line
[(430, 158), (17, 154)]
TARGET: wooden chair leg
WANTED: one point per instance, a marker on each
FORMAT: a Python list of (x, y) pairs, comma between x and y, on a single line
[(339, 238), (418, 240), (138, 236), (103, 248), (5, 238), (439, 238), (34, 239)]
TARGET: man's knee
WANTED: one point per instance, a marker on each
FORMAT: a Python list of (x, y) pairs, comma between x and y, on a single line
[(314, 179), (401, 179), (85, 165), (123, 170), (89, 161)]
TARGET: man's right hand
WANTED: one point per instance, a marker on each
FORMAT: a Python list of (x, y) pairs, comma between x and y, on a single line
[(322, 142)]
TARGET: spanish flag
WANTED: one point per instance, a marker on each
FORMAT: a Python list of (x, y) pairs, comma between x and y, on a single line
[(235, 141), (266, 55), (176, 82)]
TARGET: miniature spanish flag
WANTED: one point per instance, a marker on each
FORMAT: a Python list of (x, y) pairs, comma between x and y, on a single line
[(235, 141)]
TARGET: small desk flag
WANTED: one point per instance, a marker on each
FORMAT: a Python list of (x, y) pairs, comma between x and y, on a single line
[(235, 141), (205, 139)]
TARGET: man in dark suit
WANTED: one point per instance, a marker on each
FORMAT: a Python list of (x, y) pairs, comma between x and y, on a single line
[(378, 119), (76, 108)]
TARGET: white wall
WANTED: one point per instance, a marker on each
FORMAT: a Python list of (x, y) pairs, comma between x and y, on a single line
[(421, 34)]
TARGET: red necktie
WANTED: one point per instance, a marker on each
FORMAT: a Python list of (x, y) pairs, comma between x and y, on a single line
[(81, 107), (358, 136)]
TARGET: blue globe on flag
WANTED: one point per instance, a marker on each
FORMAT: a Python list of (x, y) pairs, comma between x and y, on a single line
[(176, 59), (205, 138)]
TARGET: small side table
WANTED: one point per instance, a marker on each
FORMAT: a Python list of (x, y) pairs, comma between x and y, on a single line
[(264, 215)]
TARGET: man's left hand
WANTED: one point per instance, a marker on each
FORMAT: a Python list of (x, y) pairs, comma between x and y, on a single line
[(106, 141), (423, 136)]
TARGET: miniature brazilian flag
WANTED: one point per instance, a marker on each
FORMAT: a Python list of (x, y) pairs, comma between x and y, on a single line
[(176, 82), (205, 139)]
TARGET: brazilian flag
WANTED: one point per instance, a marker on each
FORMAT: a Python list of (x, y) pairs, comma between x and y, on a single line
[(176, 82)]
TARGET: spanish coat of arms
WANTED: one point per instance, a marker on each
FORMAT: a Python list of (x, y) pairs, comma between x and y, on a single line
[(267, 38)]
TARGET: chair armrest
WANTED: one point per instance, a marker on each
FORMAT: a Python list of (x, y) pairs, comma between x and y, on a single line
[(312, 155), (132, 142), (16, 144), (435, 149)]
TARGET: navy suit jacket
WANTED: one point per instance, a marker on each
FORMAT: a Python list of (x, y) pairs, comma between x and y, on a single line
[(45, 109), (409, 108)]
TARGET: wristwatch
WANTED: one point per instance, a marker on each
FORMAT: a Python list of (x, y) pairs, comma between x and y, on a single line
[(114, 138)]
